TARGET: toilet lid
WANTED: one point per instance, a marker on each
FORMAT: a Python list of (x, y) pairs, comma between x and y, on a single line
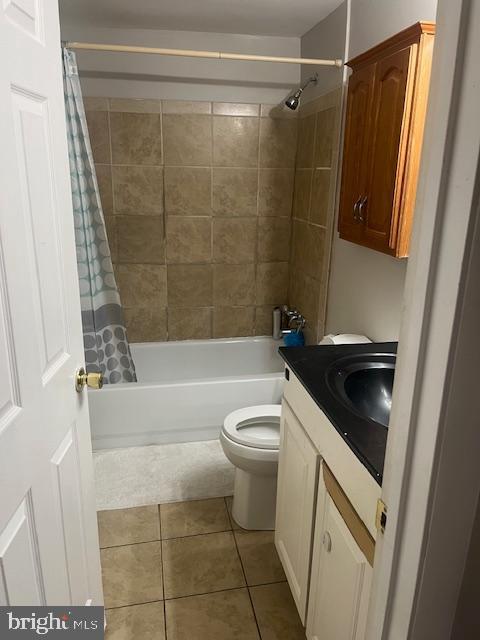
[(255, 426)]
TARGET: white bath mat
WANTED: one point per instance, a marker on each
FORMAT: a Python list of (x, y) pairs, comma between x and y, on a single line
[(139, 476)]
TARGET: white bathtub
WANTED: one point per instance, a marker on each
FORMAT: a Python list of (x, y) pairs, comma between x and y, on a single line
[(184, 391)]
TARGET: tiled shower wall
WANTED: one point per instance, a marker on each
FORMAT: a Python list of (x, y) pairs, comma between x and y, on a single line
[(222, 262), (314, 209)]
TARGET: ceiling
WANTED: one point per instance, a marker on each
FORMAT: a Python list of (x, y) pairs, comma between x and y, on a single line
[(255, 17)]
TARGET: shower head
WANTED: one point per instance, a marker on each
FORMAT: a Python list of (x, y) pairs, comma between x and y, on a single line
[(293, 99)]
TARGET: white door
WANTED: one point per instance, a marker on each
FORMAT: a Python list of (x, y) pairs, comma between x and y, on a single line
[(296, 495), (48, 536), (341, 578)]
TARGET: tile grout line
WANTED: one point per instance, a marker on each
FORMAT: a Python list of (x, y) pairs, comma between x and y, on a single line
[(163, 573), (246, 584)]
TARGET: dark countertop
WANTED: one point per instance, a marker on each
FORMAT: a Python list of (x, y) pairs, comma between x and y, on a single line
[(366, 438)]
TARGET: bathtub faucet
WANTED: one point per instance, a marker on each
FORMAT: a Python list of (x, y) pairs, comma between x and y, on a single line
[(286, 321)]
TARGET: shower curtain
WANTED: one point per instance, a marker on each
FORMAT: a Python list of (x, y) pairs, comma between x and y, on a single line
[(104, 335)]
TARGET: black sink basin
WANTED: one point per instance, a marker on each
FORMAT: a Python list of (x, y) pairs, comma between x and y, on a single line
[(364, 383)]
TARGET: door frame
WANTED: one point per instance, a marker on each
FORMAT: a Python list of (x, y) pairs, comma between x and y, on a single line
[(431, 482)]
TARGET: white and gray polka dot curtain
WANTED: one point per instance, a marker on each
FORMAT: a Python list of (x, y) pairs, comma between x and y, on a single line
[(105, 339)]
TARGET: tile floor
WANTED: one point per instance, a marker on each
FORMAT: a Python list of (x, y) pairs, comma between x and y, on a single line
[(187, 571)]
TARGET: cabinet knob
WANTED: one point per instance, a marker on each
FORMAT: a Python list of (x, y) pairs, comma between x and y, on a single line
[(355, 210), (327, 541), (361, 207)]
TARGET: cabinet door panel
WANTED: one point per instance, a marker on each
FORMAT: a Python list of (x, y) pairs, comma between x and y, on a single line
[(341, 578), (355, 164), (385, 182), (296, 494)]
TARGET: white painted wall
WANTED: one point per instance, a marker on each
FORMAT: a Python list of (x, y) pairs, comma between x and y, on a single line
[(128, 75), (325, 40), (366, 287)]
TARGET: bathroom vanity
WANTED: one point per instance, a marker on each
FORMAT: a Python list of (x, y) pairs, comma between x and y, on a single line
[(329, 480)]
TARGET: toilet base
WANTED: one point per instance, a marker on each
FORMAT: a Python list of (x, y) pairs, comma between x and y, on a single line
[(254, 500)]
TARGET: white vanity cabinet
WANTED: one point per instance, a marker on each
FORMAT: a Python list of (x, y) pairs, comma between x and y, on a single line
[(340, 577), (325, 524), (296, 494)]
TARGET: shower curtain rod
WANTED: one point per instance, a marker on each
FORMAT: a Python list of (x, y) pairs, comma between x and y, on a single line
[(188, 53)]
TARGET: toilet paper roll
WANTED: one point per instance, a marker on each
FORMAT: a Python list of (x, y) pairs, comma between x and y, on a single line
[(344, 338)]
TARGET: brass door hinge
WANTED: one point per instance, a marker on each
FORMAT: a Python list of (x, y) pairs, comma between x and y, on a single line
[(381, 517)]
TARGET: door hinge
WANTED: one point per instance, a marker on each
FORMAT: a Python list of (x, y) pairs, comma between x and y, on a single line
[(381, 516)]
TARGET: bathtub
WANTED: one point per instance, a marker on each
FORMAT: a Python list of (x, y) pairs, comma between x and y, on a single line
[(184, 391)]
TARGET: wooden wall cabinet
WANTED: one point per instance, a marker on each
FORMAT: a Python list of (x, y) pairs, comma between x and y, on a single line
[(385, 117)]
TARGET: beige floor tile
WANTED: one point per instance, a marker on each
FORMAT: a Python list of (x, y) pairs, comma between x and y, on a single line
[(132, 574), (276, 613), (229, 503), (127, 526), (201, 564), (140, 622), (191, 518), (259, 557), (226, 615)]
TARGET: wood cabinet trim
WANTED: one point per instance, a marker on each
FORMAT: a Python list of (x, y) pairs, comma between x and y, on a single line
[(401, 40), (354, 524)]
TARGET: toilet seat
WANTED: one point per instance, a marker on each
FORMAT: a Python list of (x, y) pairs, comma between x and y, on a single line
[(257, 427)]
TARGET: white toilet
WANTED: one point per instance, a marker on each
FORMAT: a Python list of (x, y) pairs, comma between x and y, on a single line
[(250, 439)]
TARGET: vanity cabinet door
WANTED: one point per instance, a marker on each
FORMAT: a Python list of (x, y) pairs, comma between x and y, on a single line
[(341, 578), (296, 498)]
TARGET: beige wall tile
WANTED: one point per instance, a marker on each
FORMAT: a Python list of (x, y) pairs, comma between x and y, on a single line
[(306, 139), (273, 239), (275, 192), (304, 294), (264, 321), (189, 240), (320, 196), (308, 243), (235, 192), (189, 324), (142, 284), (301, 196), (272, 283), (137, 190), (140, 239), (190, 285), (277, 111), (278, 142), (104, 179), (235, 109), (233, 284), (147, 323), (235, 141), (234, 240), (136, 138), (187, 139), (99, 133), (111, 227), (185, 106), (324, 138), (128, 105), (188, 190), (144, 621), (95, 104), (231, 322)]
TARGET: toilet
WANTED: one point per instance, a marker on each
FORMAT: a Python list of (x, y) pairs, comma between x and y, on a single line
[(250, 439)]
